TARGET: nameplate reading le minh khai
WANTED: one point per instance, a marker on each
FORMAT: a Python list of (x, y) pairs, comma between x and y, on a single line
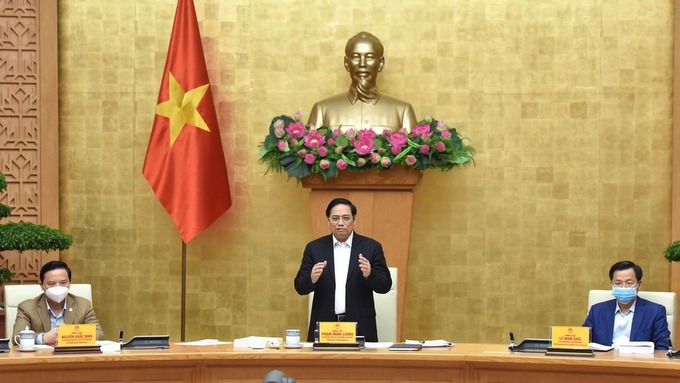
[(570, 336), (77, 334), (337, 332)]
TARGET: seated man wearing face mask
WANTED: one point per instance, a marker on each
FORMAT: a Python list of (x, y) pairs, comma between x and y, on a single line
[(44, 313), (627, 318)]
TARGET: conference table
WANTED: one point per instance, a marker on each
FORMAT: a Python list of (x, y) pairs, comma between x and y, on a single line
[(223, 363)]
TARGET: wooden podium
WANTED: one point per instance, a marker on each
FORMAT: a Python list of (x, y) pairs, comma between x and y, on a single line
[(384, 201)]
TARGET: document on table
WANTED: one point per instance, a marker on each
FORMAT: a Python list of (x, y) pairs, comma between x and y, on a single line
[(203, 342), (636, 348), (599, 347), (431, 343)]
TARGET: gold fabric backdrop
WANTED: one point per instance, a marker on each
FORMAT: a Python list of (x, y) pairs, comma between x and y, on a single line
[(567, 102)]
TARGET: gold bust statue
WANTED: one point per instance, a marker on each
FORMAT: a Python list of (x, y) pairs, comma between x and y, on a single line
[(363, 107)]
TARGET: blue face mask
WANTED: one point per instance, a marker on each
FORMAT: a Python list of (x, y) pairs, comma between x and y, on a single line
[(624, 294)]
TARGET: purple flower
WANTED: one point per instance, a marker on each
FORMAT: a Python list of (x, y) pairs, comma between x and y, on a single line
[(324, 164), (296, 129), (314, 140), (342, 165), (385, 162), (440, 146), (309, 159), (424, 150)]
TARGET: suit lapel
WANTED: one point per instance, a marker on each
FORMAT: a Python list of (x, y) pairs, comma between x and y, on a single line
[(354, 255), (330, 258), (69, 310), (638, 317), (44, 314)]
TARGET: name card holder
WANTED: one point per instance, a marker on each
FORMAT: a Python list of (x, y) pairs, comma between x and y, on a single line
[(147, 342), (4, 345)]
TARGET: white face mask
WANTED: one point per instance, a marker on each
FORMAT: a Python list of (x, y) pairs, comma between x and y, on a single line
[(57, 293)]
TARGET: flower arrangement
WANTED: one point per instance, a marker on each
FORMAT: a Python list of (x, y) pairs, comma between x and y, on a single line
[(302, 150)]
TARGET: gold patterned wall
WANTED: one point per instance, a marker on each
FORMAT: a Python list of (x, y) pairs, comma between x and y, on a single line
[(567, 102)]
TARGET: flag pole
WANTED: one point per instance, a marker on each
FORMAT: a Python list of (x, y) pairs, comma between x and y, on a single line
[(184, 289)]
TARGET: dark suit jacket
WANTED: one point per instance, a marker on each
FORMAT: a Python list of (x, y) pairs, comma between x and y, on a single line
[(649, 323), (360, 307), (33, 313)]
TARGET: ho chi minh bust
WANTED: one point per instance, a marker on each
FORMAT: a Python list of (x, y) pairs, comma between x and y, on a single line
[(363, 107)]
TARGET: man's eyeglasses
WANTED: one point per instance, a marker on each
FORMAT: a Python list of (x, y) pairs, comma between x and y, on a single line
[(627, 284), (336, 219)]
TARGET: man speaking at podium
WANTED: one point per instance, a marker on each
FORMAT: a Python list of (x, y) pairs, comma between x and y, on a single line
[(363, 107), (343, 270)]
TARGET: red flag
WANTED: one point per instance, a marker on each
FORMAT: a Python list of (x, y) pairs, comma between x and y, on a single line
[(184, 161)]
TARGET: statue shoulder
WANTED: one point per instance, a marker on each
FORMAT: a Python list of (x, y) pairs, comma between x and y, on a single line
[(393, 100), (332, 100)]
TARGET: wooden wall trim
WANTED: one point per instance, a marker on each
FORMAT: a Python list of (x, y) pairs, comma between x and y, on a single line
[(675, 181), (49, 115)]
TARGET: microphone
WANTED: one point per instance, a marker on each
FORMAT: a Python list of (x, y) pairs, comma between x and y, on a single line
[(670, 348), (276, 376)]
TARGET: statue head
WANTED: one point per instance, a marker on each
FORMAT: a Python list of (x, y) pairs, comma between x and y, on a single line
[(364, 60)]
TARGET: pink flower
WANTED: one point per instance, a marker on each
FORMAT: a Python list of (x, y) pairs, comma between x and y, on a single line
[(296, 129), (385, 162), (440, 146), (342, 165), (339, 149), (302, 152), (366, 134), (323, 151), (336, 132), (361, 161), (419, 130), (331, 142), (351, 133), (397, 140), (314, 140), (375, 158), (283, 146), (324, 164), (446, 133), (294, 141), (363, 146), (410, 160), (279, 128), (441, 126), (424, 149), (309, 159), (298, 116)]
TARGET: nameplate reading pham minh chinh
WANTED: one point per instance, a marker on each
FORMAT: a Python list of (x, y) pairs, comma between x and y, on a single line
[(570, 336), (337, 332), (77, 334)]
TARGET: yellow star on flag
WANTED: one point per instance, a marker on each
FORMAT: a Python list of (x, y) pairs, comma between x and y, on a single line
[(180, 108)]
